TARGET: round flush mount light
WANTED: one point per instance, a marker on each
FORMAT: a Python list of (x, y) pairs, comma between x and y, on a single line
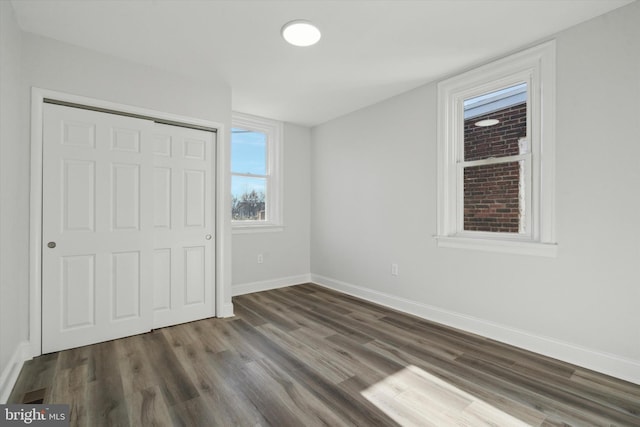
[(301, 33), (487, 122)]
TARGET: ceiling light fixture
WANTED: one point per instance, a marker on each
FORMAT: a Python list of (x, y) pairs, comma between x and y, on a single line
[(487, 122), (301, 33)]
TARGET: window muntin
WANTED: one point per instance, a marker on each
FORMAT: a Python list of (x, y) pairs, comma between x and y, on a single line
[(255, 172), (529, 75)]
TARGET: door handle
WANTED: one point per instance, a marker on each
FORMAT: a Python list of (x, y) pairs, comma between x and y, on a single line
[(51, 245), (208, 237)]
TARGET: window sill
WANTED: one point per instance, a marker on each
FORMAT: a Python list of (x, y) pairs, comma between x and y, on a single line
[(518, 247), (256, 228)]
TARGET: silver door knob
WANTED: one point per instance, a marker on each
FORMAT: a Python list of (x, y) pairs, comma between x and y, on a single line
[(51, 245), (208, 237)]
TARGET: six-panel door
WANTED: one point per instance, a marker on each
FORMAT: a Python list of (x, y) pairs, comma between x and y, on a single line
[(183, 228), (124, 228)]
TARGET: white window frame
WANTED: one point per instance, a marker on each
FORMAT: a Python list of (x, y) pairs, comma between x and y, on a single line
[(536, 67), (273, 129)]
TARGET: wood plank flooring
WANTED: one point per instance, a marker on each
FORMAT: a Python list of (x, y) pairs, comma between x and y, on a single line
[(308, 356)]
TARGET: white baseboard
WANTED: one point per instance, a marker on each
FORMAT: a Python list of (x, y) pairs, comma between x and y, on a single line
[(248, 288), (606, 363), (12, 370)]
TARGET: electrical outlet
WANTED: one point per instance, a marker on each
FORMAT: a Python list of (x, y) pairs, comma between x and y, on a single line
[(260, 259), (394, 269)]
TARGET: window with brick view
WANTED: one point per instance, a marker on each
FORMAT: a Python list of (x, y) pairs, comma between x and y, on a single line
[(496, 155), (496, 160)]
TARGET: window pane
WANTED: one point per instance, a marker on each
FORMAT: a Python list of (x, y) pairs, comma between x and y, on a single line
[(495, 122), (248, 152), (248, 198), (494, 198)]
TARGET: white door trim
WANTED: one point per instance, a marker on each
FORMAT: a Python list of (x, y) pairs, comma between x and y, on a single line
[(224, 307)]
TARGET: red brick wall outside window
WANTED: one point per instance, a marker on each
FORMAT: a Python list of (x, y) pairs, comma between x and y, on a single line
[(492, 192)]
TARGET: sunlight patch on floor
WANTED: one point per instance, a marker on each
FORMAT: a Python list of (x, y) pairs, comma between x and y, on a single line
[(414, 397)]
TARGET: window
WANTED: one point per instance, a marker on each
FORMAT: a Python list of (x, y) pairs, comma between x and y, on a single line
[(256, 194), (496, 155)]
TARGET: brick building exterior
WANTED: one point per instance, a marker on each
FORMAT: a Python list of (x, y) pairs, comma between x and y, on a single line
[(492, 192)]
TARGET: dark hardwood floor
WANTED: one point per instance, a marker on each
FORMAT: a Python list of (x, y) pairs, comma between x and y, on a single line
[(307, 356)]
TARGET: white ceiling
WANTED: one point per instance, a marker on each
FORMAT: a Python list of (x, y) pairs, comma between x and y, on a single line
[(369, 51)]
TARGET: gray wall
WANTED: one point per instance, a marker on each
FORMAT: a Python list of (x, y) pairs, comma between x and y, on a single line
[(373, 203), (14, 194), (286, 253)]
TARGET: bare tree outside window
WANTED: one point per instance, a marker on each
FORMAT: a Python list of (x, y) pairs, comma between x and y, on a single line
[(248, 206)]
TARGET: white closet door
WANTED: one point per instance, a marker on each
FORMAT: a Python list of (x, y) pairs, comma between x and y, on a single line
[(128, 226), (98, 255), (183, 225)]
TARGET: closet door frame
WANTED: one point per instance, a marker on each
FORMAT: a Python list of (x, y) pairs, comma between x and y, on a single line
[(222, 262)]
